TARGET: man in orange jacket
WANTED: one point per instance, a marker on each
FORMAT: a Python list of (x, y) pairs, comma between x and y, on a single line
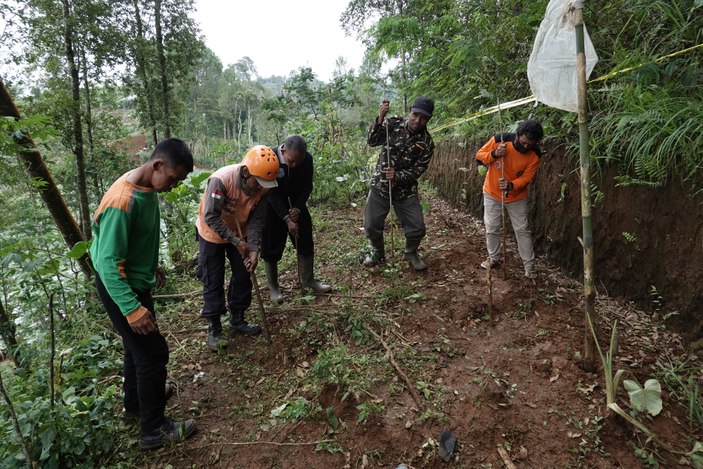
[(512, 160), (235, 198)]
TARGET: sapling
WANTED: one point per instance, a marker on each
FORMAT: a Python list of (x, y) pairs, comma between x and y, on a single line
[(613, 381)]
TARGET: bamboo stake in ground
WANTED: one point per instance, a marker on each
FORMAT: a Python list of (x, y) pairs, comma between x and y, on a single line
[(490, 289), (589, 291), (255, 284)]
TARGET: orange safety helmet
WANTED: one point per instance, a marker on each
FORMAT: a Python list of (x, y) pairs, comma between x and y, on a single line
[(263, 164)]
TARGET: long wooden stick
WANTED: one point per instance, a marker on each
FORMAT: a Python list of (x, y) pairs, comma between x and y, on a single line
[(15, 422), (399, 370), (390, 189), (297, 255), (506, 458), (52, 353), (178, 295), (273, 443), (502, 215), (255, 283), (490, 289)]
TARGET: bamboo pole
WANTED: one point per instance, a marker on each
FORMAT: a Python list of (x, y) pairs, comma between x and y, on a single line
[(585, 160)]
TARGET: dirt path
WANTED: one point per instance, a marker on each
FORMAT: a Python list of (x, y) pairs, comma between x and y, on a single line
[(326, 395)]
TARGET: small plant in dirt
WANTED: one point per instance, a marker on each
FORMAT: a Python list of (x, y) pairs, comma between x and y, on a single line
[(523, 309), (647, 398), (292, 411), (646, 458), (550, 298), (397, 293), (684, 379), (391, 270), (368, 408), (329, 446), (338, 365)]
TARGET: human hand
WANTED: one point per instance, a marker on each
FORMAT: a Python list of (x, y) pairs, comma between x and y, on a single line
[(389, 173), (243, 248), (145, 325), (500, 151), (505, 185), (294, 214), (385, 106), (251, 260), (160, 277), (292, 227)]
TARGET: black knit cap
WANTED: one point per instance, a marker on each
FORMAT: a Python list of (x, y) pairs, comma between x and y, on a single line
[(423, 105)]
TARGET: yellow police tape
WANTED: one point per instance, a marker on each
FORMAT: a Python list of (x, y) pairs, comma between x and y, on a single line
[(531, 99)]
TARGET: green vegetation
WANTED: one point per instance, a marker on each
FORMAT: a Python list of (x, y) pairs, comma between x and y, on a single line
[(63, 380)]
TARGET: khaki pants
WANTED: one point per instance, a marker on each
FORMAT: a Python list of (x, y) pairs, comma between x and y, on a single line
[(518, 218)]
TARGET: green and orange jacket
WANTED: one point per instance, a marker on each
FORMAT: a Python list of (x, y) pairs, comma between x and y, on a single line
[(520, 168), (125, 248)]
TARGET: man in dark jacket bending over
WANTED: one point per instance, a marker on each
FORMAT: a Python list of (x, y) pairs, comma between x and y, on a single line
[(287, 216)]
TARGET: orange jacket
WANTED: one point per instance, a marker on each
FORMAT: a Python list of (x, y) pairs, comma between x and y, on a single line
[(225, 197), (520, 168)]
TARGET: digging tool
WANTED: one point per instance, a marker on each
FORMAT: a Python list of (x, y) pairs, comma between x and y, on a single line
[(503, 194), (255, 283), (490, 289), (295, 244), (390, 186)]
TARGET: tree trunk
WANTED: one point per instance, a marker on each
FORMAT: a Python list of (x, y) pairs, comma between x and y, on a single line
[(249, 125), (77, 126), (141, 68), (49, 193), (162, 68), (89, 124), (7, 334)]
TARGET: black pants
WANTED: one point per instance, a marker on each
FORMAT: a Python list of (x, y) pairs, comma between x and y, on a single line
[(276, 232), (409, 212), (211, 271), (145, 359)]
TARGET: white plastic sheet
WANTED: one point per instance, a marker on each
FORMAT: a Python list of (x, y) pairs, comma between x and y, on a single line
[(552, 66)]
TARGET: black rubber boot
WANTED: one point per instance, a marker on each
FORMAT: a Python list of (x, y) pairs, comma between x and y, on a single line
[(275, 294), (307, 277), (377, 254), (170, 432), (215, 341), (411, 256), (239, 326)]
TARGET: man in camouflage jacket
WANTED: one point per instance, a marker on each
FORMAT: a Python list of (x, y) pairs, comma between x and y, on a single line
[(407, 149)]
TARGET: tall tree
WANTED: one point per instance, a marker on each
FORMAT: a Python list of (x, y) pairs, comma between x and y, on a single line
[(139, 46), (162, 69), (49, 191), (75, 110)]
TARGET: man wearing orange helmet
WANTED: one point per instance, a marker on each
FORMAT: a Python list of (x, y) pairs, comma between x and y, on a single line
[(235, 198)]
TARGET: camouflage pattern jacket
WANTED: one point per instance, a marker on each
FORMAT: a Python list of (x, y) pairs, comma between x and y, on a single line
[(409, 154)]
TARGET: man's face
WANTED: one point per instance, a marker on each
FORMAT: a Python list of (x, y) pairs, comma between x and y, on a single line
[(417, 122), (250, 182), (293, 158), (526, 142), (165, 176)]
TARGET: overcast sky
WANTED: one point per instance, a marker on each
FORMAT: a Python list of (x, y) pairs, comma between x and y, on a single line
[(280, 36)]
